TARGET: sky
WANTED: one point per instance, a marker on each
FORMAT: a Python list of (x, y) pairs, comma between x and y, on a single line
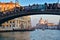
[(27, 2)]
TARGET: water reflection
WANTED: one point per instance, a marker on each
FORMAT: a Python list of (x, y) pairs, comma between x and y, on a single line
[(15, 36), (33, 35)]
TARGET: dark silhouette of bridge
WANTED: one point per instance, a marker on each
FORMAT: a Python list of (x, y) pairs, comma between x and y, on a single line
[(17, 12)]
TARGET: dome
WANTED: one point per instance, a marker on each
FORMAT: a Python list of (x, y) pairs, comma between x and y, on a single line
[(41, 21), (46, 21)]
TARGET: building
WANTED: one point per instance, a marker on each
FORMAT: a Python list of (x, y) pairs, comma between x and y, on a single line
[(21, 23), (52, 26), (44, 24), (58, 25), (41, 21), (8, 6)]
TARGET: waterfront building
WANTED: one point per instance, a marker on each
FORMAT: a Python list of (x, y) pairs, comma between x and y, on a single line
[(58, 25), (44, 24), (41, 21), (21, 23), (52, 26)]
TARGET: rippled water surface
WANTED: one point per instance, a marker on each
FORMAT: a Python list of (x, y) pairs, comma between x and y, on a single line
[(32, 35)]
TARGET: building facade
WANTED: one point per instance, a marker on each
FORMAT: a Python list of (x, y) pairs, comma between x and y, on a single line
[(44, 24), (8, 6), (58, 25), (21, 23)]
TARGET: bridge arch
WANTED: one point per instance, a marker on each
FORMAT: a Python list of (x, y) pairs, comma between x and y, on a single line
[(16, 15)]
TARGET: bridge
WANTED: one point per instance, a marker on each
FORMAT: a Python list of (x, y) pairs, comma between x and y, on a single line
[(16, 12)]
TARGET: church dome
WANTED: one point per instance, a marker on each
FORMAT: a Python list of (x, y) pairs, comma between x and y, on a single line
[(41, 21)]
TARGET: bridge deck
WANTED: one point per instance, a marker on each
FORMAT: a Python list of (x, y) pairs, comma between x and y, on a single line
[(8, 15)]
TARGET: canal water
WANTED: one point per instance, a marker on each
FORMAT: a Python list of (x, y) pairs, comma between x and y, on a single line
[(32, 35)]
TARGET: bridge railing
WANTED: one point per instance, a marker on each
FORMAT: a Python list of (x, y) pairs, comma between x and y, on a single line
[(17, 10), (9, 13)]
